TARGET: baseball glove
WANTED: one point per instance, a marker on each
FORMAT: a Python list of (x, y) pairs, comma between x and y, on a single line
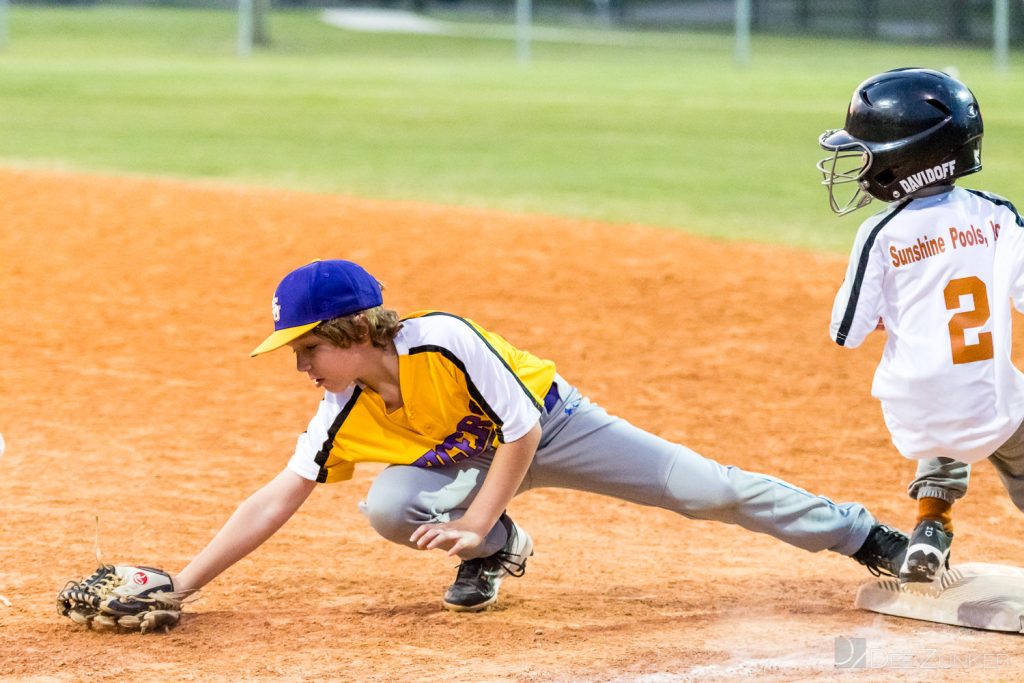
[(126, 597)]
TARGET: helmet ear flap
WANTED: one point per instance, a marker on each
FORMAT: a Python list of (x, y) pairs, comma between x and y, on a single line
[(885, 176)]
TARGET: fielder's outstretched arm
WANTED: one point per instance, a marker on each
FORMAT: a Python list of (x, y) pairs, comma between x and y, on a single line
[(255, 520)]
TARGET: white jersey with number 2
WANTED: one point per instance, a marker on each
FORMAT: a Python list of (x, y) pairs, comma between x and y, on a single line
[(940, 273)]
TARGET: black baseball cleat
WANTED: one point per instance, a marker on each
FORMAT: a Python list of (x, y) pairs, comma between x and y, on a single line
[(928, 554), (883, 551), (476, 584)]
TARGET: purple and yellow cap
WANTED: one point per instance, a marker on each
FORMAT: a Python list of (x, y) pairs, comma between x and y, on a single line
[(316, 292)]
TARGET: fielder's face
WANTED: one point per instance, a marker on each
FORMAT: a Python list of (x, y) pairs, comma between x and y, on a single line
[(329, 367)]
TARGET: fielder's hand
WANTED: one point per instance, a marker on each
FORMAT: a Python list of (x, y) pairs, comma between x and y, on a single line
[(134, 598), (450, 536)]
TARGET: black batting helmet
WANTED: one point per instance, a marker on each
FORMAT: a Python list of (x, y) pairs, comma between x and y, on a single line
[(905, 129)]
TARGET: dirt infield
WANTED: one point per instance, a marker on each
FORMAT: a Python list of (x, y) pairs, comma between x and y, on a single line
[(129, 308)]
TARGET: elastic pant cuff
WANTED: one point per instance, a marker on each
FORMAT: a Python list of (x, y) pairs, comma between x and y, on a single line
[(936, 492)]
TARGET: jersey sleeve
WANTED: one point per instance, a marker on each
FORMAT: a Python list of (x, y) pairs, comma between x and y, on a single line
[(316, 456), (491, 381), (857, 306), (1013, 233), (1017, 281)]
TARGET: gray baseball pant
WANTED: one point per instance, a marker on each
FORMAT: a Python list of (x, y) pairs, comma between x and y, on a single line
[(947, 479), (583, 447)]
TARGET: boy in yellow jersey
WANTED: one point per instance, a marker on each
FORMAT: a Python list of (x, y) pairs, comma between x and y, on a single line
[(467, 421)]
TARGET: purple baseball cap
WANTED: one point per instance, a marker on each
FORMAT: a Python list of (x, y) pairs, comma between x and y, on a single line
[(316, 292)]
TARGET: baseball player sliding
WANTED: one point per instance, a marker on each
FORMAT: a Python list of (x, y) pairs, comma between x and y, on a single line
[(467, 421), (937, 269)]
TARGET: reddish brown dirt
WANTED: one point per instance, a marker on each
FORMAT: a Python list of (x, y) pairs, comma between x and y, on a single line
[(129, 308)]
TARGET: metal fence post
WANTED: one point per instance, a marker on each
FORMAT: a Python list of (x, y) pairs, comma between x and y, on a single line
[(4, 7), (1001, 34), (743, 33), (245, 28), (524, 12)]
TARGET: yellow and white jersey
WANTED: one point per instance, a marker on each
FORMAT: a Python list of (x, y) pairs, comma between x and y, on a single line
[(940, 272), (464, 390)]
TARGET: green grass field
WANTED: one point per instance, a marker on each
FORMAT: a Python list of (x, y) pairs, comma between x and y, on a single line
[(666, 132)]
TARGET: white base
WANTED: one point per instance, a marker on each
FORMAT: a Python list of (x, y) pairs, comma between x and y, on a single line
[(975, 594)]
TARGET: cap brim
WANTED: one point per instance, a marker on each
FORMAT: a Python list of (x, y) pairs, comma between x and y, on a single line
[(281, 337)]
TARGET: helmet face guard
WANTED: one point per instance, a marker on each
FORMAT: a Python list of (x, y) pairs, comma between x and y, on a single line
[(847, 165), (905, 130)]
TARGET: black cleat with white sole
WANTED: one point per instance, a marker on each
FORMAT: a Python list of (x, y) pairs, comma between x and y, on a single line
[(883, 551), (476, 584), (928, 553)]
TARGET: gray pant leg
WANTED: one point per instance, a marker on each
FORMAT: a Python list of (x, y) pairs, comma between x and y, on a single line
[(1009, 462), (403, 497), (947, 479), (584, 448), (941, 478)]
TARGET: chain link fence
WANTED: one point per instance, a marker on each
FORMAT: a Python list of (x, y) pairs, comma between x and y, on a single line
[(966, 22)]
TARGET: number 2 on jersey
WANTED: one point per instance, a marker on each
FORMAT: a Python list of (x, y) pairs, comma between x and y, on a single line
[(976, 317)]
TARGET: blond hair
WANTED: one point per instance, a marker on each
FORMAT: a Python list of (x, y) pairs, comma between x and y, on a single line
[(378, 325)]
